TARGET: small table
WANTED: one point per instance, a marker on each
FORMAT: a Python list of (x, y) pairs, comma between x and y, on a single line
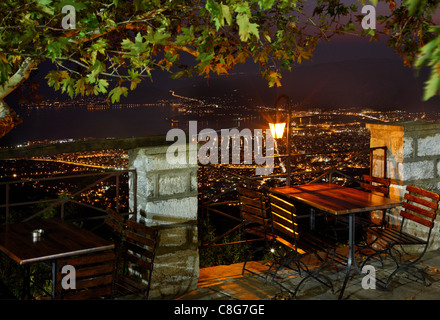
[(339, 200), (60, 239)]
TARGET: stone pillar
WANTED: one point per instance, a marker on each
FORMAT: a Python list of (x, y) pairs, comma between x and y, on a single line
[(167, 199), (413, 158)]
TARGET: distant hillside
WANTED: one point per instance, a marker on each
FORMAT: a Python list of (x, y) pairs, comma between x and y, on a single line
[(368, 83), (375, 83)]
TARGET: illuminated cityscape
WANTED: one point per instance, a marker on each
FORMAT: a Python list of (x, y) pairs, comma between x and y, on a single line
[(320, 140)]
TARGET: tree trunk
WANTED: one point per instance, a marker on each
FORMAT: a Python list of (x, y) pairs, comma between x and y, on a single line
[(8, 118)]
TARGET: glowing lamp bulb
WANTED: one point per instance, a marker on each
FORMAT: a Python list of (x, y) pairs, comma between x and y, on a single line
[(277, 129)]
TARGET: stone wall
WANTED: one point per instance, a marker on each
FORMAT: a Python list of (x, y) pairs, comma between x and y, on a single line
[(167, 199), (413, 158)]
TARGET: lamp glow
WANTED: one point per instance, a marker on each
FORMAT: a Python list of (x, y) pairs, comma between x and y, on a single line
[(277, 129)]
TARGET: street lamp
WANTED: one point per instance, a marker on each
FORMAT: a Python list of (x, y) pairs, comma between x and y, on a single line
[(277, 130)]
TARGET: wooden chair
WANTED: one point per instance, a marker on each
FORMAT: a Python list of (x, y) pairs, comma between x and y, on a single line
[(114, 220), (296, 243), (136, 259), (255, 225), (420, 206), (94, 276), (380, 186)]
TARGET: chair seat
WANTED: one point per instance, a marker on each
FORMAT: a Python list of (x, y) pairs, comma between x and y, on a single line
[(395, 236)]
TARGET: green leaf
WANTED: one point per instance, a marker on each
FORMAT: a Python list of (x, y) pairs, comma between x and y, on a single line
[(350, 27), (426, 53), (215, 11), (80, 86), (186, 37), (44, 6), (246, 29), (55, 49), (226, 13), (432, 86), (115, 94), (265, 4), (413, 6), (135, 79), (97, 68), (102, 85)]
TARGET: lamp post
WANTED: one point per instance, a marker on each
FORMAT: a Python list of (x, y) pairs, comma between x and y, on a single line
[(277, 130)]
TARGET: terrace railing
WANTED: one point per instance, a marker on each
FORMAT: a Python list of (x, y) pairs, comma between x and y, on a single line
[(92, 180)]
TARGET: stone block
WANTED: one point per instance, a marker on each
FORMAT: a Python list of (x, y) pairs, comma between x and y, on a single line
[(429, 146), (408, 147), (173, 184), (417, 170)]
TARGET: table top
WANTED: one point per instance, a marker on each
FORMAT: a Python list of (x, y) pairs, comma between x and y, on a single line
[(336, 199), (60, 239)]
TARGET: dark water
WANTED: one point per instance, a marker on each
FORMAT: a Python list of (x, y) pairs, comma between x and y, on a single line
[(77, 123)]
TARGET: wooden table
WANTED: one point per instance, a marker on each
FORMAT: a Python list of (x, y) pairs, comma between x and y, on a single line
[(339, 200), (60, 239)]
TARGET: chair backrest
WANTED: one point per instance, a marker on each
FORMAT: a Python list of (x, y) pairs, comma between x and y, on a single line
[(139, 249), (420, 206), (253, 206), (376, 185), (284, 219), (93, 276), (114, 220)]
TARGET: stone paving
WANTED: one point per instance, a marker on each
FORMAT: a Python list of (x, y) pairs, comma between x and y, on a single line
[(228, 283)]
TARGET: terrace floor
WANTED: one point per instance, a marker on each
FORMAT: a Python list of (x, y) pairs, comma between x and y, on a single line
[(226, 282)]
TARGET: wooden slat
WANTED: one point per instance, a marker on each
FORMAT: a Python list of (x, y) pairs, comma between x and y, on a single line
[(373, 188), (113, 224), (423, 202), (249, 193), (288, 222), (89, 259), (395, 236), (417, 219), (138, 227), (254, 218), (90, 271), (252, 210), (422, 192), (136, 260), (144, 252), (116, 216), (284, 229), (282, 203), (138, 238), (421, 211), (384, 181), (251, 202), (94, 282)]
